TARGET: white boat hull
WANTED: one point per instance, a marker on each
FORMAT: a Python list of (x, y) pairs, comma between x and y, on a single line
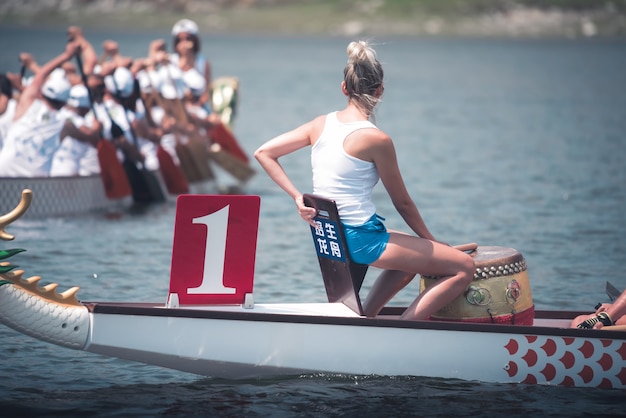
[(287, 339)]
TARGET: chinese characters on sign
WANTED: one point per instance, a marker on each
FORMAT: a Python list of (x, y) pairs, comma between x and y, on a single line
[(326, 237)]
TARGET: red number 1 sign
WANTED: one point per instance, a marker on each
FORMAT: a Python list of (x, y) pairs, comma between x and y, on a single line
[(214, 248)]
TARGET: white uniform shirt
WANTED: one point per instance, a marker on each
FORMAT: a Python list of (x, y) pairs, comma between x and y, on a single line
[(31, 142), (6, 119), (74, 157)]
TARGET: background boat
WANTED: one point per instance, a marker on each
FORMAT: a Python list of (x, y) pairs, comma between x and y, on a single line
[(67, 196)]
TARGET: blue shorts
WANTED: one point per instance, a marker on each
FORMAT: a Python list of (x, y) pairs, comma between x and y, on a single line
[(366, 242)]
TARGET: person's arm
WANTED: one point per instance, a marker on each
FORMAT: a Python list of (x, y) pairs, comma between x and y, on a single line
[(202, 120), (31, 92), (88, 53), (152, 133), (268, 154), (29, 63), (382, 152), (82, 134), (615, 310), (109, 51), (206, 96), (4, 101)]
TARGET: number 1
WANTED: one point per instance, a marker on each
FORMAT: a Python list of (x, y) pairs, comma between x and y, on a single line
[(214, 254)]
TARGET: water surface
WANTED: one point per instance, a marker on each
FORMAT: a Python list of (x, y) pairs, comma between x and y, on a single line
[(511, 143)]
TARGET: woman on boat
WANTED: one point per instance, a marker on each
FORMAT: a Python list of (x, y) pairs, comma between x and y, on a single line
[(187, 56), (349, 154), (606, 315)]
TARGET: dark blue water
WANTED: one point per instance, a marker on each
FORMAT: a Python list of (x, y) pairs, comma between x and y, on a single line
[(512, 143)]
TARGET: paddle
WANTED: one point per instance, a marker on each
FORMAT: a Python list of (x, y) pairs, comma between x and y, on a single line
[(220, 134), (145, 185), (193, 163), (173, 176), (225, 150), (114, 179), (233, 165), (612, 292), (193, 153)]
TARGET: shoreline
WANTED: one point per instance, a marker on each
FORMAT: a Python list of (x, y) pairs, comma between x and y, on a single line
[(320, 19)]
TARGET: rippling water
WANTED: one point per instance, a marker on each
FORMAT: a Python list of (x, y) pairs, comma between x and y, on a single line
[(511, 143)]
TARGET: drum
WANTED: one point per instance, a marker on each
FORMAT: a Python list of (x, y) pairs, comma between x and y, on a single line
[(500, 292)]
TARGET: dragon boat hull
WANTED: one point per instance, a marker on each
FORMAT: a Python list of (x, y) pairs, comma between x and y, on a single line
[(274, 340), (211, 326), (60, 196), (289, 339)]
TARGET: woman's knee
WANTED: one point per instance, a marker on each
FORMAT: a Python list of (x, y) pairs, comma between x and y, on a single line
[(467, 268)]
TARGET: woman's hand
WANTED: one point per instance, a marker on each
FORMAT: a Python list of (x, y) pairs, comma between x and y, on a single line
[(307, 213)]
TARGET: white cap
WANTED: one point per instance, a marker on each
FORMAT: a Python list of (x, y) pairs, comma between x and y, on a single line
[(121, 83), (56, 88), (194, 81), (185, 25), (79, 96)]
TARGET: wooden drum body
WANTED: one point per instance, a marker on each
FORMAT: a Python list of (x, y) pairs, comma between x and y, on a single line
[(500, 292)]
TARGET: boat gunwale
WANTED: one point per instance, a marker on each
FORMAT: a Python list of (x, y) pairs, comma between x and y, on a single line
[(159, 310)]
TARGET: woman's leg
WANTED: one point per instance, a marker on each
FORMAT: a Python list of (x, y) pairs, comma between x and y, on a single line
[(417, 255), (387, 284)]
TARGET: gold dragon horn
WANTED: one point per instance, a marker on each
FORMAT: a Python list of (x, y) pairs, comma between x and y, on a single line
[(20, 209)]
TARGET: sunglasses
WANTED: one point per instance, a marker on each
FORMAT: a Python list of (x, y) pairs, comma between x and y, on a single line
[(184, 38)]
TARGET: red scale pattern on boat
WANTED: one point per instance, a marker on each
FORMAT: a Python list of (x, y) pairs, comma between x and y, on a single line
[(567, 361), (586, 349), (606, 362), (622, 351), (512, 347), (586, 374), (549, 347), (549, 372)]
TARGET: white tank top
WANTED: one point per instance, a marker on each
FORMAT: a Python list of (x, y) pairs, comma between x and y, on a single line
[(341, 177), (31, 142)]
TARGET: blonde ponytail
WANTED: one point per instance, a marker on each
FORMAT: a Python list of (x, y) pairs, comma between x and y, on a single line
[(363, 75)]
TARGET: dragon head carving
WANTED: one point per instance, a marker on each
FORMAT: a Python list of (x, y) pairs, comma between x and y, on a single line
[(31, 284)]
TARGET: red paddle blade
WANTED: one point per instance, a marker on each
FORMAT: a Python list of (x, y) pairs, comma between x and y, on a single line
[(114, 180)]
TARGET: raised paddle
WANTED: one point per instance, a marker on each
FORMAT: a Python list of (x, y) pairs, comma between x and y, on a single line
[(112, 173)]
